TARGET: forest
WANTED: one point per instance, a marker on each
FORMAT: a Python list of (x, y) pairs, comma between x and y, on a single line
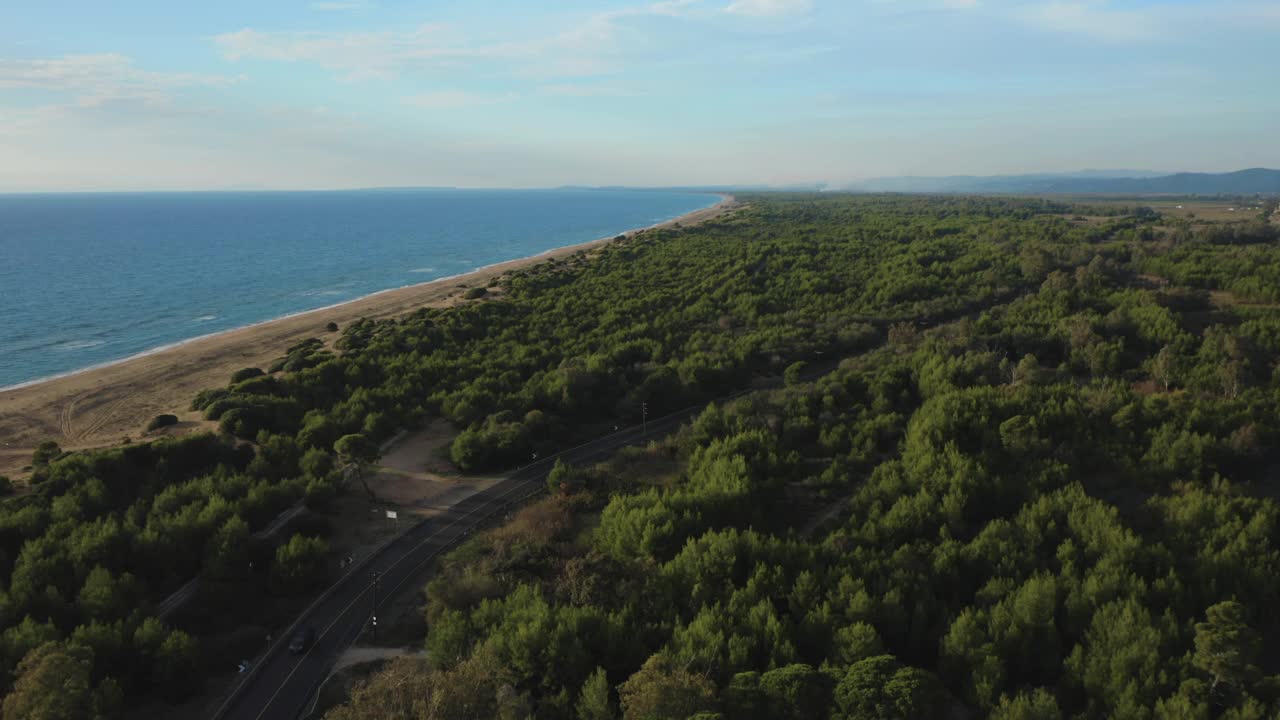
[(1005, 458)]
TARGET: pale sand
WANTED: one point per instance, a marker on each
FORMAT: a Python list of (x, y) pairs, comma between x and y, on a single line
[(101, 406)]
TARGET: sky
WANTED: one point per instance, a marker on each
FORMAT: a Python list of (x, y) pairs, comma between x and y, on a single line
[(302, 94)]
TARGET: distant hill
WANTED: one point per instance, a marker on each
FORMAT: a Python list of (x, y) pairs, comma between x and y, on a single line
[(795, 187), (1254, 180)]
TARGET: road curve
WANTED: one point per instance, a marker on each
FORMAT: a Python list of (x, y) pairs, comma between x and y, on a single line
[(281, 685)]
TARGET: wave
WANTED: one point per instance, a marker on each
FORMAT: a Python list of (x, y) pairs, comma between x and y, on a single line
[(326, 292), (70, 345), (423, 270), (206, 318)]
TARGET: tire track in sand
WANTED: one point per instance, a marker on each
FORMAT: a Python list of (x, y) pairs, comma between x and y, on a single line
[(65, 417), (101, 417)]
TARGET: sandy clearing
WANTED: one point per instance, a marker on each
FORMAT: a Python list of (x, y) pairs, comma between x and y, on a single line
[(363, 654), (415, 474), (102, 406), (422, 452)]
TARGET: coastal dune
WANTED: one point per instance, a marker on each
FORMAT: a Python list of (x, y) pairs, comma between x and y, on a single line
[(102, 406)]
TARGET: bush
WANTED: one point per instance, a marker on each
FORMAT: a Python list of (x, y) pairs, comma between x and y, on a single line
[(46, 452), (306, 346), (215, 409), (300, 564), (260, 385), (319, 494), (245, 374), (302, 361), (794, 374), (232, 422), (356, 447), (6, 485), (204, 398), (476, 292), (562, 478), (331, 327), (162, 421)]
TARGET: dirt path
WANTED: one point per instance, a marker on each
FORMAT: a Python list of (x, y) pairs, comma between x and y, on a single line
[(829, 513), (357, 655)]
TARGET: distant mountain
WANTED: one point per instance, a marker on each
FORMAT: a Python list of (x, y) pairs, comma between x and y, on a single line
[(1254, 180), (795, 187), (405, 188)]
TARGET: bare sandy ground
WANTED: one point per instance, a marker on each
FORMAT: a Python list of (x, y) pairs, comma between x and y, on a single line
[(102, 406), (414, 472), (363, 654)]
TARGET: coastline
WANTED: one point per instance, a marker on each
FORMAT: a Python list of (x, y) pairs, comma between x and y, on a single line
[(102, 404)]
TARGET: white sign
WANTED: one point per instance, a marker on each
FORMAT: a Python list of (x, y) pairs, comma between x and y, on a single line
[(391, 514)]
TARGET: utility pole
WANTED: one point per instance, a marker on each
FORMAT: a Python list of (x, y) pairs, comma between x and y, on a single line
[(373, 626)]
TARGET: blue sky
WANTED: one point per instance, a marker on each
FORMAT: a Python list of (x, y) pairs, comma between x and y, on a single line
[(506, 93)]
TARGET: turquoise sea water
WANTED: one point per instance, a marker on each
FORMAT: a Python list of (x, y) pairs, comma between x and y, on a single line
[(87, 279)]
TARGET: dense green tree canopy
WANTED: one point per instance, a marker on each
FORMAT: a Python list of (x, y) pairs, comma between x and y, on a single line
[(1047, 495), (1008, 458)]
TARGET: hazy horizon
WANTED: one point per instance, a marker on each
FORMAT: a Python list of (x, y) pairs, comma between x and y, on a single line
[(1100, 173), (356, 94)]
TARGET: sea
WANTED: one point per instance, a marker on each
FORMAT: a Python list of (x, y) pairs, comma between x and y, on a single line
[(94, 278)]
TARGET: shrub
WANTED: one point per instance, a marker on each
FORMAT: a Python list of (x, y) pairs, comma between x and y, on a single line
[(261, 385), (319, 494), (306, 346), (300, 563), (162, 421), (562, 478), (6, 485), (476, 292), (206, 397), (794, 374), (301, 361), (232, 421), (246, 373), (331, 327), (215, 409), (46, 452), (356, 447)]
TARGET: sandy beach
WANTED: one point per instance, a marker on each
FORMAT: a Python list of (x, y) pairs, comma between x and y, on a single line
[(102, 406)]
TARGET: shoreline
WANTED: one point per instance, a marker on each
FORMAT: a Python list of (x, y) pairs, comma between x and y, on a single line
[(724, 199), (104, 403)]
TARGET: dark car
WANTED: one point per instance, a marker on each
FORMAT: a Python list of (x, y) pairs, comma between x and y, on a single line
[(301, 640)]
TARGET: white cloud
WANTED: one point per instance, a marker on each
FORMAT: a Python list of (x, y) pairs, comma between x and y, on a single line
[(385, 54), (449, 99), (357, 54), (671, 8), (1092, 19), (94, 71), (769, 8), (1103, 20), (100, 78), (590, 47), (341, 6), (577, 90)]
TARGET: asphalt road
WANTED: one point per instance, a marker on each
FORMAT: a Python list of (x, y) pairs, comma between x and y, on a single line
[(282, 686)]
